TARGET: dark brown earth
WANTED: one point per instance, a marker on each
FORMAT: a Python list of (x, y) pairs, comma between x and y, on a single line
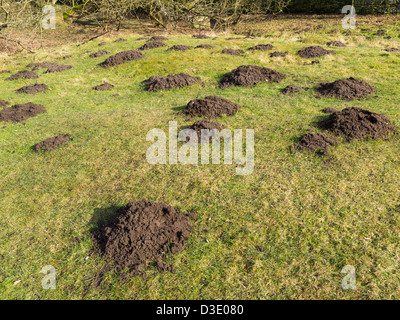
[(315, 142), (120, 40), (58, 68), (200, 36), (152, 45), (392, 50), (121, 57), (3, 103), (98, 53), (103, 87), (52, 143), (5, 71), (142, 232), (179, 47), (205, 46), (335, 44), (292, 89), (102, 44), (21, 112), (24, 74), (313, 52), (211, 107), (329, 110), (250, 75), (357, 123), (262, 47), (278, 54), (380, 33), (203, 125), (157, 83), (41, 65), (158, 38), (346, 89), (33, 89), (233, 52)]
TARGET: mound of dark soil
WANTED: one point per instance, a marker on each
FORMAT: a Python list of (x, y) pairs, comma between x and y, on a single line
[(335, 44), (3, 103), (142, 232), (357, 123), (41, 65), (21, 112), (205, 46), (179, 47), (292, 89), (278, 54), (24, 74), (233, 52), (102, 44), (380, 33), (211, 107), (33, 89), (98, 53), (392, 50), (346, 89), (172, 81), (204, 125), (262, 47), (329, 110), (5, 71), (103, 87), (316, 142), (120, 40), (200, 36), (58, 68), (250, 75), (313, 52), (158, 38), (121, 57), (51, 143), (152, 45)]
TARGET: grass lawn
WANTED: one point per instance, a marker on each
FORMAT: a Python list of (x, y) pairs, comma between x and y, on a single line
[(283, 232)]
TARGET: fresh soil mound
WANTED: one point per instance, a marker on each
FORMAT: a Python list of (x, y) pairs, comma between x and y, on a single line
[(120, 40), (292, 89), (58, 68), (203, 125), (172, 81), (98, 53), (121, 57), (142, 232), (21, 112), (41, 65), (3, 103), (51, 143), (346, 89), (152, 45), (357, 123), (158, 38), (316, 142), (5, 71), (211, 107), (335, 44), (233, 52), (329, 110), (250, 75), (380, 33), (313, 52), (262, 47), (205, 46), (179, 47), (33, 89), (24, 74), (278, 54), (103, 87), (200, 36), (102, 44), (392, 50)]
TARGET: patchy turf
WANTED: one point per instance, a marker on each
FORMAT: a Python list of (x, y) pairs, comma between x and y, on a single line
[(283, 232)]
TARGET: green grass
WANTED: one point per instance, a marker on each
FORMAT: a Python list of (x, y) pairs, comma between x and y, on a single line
[(283, 232)]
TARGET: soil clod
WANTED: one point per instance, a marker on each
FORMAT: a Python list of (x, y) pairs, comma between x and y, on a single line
[(335, 44), (292, 89), (52, 143), (315, 142), (179, 47), (346, 89), (33, 89), (152, 45), (24, 74), (211, 107), (98, 53), (172, 81), (121, 58), (261, 47), (233, 52), (21, 112), (103, 87), (313, 52)]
